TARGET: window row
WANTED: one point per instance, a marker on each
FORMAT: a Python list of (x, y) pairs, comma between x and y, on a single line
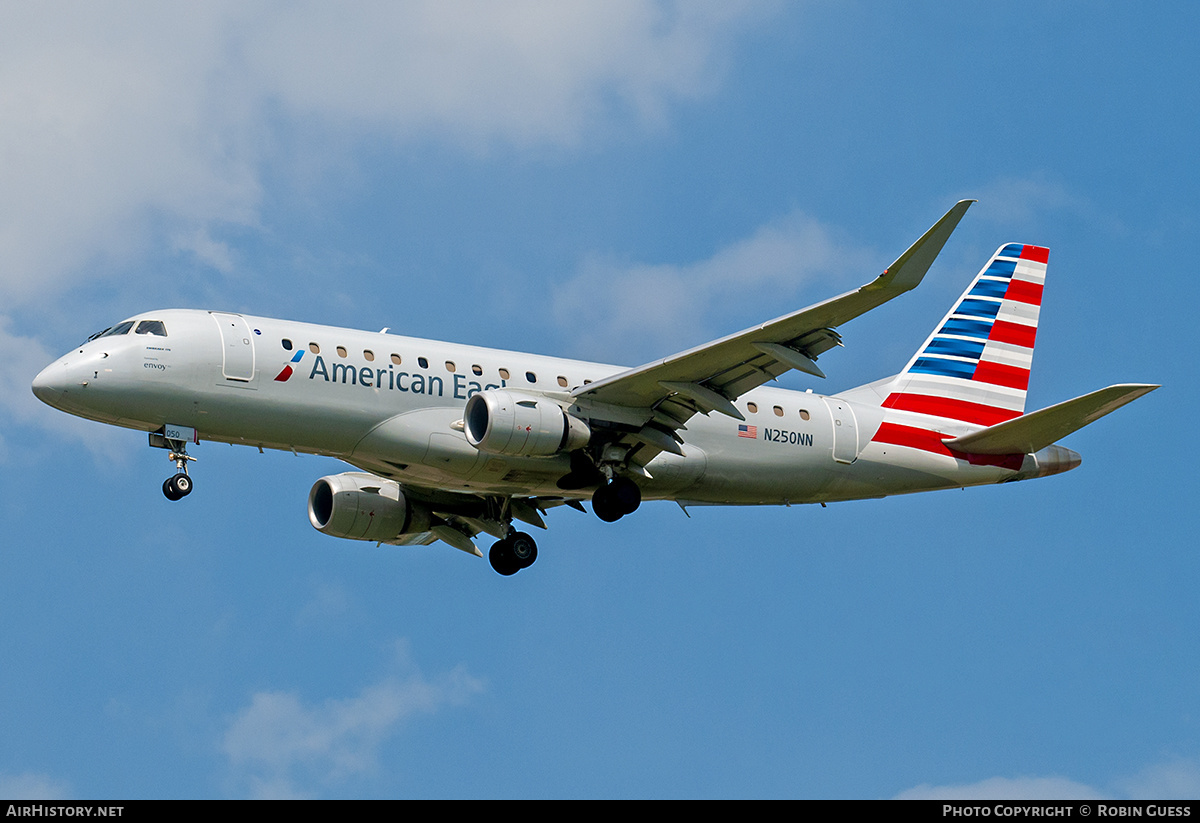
[(423, 362), (752, 407)]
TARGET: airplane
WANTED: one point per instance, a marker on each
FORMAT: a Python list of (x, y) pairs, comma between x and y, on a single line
[(452, 441)]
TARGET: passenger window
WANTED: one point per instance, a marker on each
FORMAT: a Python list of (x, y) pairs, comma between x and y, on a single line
[(562, 381), (422, 362), (154, 327), (450, 367), (804, 414), (396, 359), (531, 377), (778, 411), (287, 344), (314, 348), (752, 408), (477, 370), (341, 350), (504, 374), (369, 355)]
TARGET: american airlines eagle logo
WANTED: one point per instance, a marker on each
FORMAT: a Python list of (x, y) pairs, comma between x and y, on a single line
[(286, 374)]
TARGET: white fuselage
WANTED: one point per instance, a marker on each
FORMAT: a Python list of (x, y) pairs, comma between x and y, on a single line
[(393, 406)]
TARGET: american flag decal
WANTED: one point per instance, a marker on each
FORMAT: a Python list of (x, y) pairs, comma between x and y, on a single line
[(748, 431)]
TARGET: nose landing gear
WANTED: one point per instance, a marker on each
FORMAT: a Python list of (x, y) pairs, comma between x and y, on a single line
[(180, 485)]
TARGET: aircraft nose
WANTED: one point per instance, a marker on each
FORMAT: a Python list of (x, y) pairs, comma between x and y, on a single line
[(51, 383)]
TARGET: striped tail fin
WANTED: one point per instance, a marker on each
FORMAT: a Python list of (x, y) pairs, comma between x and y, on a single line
[(975, 366)]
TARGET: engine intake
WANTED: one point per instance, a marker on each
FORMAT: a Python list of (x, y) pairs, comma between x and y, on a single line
[(521, 425), (362, 506)]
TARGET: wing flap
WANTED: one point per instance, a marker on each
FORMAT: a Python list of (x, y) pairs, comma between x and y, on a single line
[(1032, 432)]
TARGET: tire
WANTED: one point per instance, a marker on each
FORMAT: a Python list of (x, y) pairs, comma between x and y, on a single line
[(169, 490), (605, 505), (183, 484), (627, 494), (502, 558)]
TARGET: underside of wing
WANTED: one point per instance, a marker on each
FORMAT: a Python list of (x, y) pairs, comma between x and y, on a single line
[(362, 505)]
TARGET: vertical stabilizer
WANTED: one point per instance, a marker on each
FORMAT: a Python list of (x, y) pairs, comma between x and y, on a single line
[(975, 366)]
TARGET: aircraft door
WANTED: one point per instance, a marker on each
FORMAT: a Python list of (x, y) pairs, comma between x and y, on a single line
[(845, 430), (237, 347)]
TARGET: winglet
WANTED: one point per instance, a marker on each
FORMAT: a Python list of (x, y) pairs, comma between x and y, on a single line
[(910, 267)]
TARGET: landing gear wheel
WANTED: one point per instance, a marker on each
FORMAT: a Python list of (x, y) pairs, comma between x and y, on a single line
[(605, 504), (523, 549), (180, 485), (627, 494), (613, 501), (177, 487), (502, 558)]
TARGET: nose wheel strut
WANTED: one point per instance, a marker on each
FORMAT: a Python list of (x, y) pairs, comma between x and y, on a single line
[(175, 439), (180, 485)]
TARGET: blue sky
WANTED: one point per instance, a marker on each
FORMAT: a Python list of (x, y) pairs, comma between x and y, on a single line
[(609, 181)]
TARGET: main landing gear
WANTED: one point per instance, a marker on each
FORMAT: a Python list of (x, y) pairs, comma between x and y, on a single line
[(615, 499), (511, 554)]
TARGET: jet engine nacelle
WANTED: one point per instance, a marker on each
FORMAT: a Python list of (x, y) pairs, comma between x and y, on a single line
[(362, 506), (521, 425)]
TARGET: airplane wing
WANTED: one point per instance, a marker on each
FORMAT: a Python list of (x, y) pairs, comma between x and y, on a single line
[(456, 517), (458, 524), (661, 396)]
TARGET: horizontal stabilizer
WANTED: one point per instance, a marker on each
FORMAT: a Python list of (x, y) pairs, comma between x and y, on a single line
[(1032, 432)]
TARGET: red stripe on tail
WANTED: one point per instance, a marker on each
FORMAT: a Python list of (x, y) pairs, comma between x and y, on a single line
[(999, 374), (949, 407)]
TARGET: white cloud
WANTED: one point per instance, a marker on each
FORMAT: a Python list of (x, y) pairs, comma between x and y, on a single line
[(136, 127), (1176, 779), (200, 244), (639, 310), (112, 117), (1021, 200), (128, 125), (281, 746), (523, 72), (32, 786), (1027, 203), (1004, 788)]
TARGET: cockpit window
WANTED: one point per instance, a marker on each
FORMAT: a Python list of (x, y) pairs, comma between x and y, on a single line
[(151, 327), (120, 328)]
